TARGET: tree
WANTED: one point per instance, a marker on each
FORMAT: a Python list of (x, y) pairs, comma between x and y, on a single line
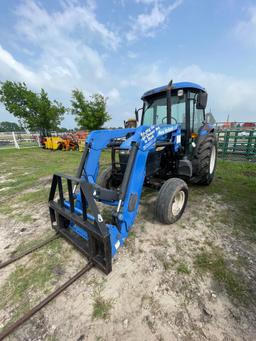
[(90, 114), (34, 111), (63, 130), (10, 126)]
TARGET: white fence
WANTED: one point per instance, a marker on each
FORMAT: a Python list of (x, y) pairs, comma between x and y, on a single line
[(19, 140)]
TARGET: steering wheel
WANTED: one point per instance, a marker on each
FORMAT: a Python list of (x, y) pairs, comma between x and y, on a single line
[(165, 118)]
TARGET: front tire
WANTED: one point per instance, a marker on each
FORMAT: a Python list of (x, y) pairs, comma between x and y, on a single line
[(171, 201), (104, 179)]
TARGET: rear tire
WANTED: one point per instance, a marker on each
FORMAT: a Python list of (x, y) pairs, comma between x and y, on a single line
[(171, 201), (204, 161)]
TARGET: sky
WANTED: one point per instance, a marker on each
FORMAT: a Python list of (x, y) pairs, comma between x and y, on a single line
[(122, 48)]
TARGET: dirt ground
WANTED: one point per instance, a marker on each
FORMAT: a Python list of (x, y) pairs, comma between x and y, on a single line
[(193, 280)]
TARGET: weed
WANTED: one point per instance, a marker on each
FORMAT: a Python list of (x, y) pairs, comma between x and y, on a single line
[(183, 268), (237, 190), (29, 165), (93, 281), (25, 246), (24, 218), (132, 235), (6, 209), (215, 263), (167, 263), (101, 306), (130, 242), (107, 214), (34, 197), (33, 276), (52, 338)]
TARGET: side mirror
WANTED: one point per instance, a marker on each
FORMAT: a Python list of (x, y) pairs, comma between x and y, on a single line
[(209, 118), (136, 114), (201, 101)]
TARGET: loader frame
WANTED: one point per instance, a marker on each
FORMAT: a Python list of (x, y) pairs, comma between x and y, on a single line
[(78, 218)]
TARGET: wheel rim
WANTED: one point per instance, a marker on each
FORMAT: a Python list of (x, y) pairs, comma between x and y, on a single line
[(178, 203), (212, 159)]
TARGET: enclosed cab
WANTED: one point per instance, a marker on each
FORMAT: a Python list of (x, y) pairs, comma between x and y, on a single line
[(188, 102), (184, 104)]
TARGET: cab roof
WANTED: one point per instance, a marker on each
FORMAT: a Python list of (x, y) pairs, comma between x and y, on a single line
[(180, 85)]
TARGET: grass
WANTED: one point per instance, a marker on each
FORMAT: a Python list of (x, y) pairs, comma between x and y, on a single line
[(26, 167), (101, 306), (236, 185), (32, 277), (183, 268), (132, 235), (30, 168), (28, 175), (31, 243), (167, 263), (214, 262), (25, 218), (107, 214), (142, 228), (237, 189), (35, 196)]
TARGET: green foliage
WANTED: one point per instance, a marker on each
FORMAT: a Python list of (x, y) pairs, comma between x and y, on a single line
[(34, 111), (215, 263), (101, 307), (62, 130), (236, 182), (183, 268), (9, 126), (89, 114), (34, 276)]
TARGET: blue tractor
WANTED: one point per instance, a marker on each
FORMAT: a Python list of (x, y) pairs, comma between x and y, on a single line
[(173, 145)]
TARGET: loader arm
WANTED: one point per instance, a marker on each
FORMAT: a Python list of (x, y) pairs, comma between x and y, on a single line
[(79, 219)]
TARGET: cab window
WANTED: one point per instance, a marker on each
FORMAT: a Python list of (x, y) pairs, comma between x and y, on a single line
[(196, 115), (155, 111)]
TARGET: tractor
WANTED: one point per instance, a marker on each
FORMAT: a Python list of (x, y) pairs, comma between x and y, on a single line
[(173, 145)]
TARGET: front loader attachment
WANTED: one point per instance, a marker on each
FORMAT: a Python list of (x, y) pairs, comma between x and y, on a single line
[(87, 231), (73, 200)]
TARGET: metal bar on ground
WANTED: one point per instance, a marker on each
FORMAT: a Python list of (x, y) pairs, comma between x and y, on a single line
[(7, 331), (13, 259)]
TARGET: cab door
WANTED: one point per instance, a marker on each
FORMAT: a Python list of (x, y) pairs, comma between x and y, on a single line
[(197, 116)]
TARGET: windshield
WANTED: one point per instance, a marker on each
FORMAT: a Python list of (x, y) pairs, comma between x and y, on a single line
[(155, 111)]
